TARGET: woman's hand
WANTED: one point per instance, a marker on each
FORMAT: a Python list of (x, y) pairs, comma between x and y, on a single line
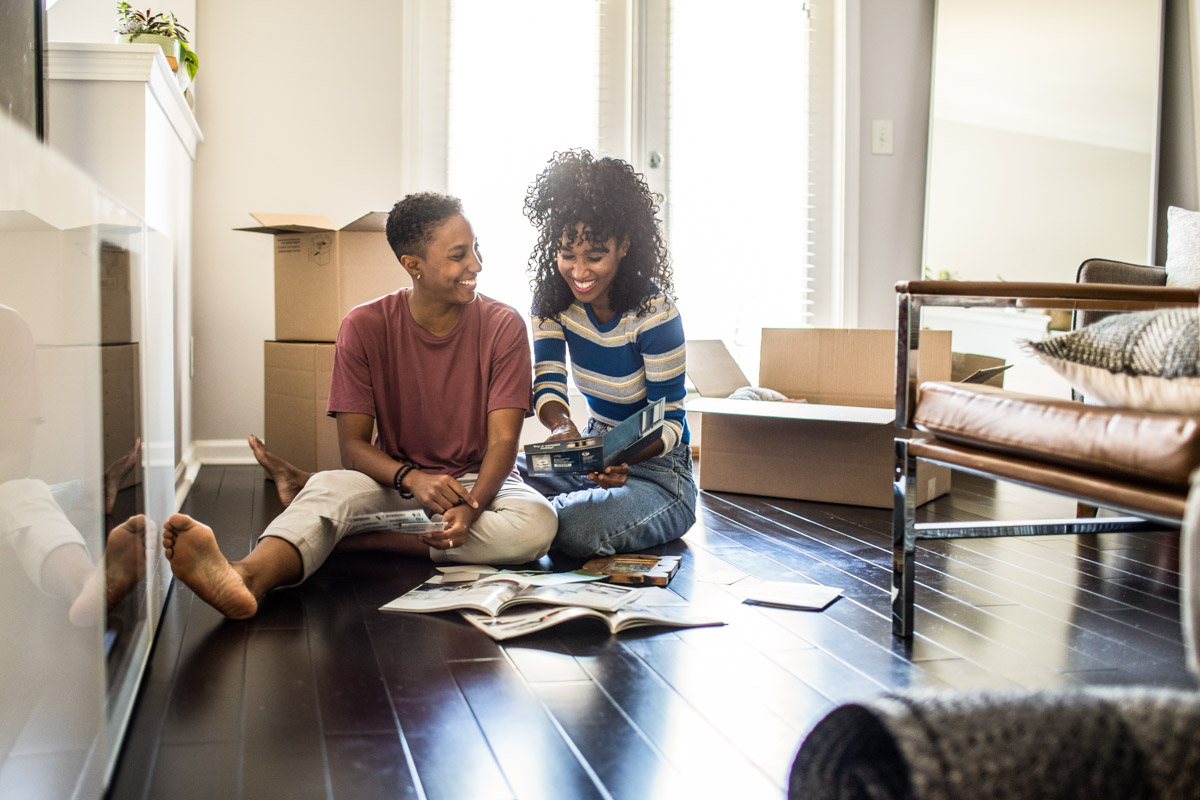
[(438, 493), (611, 477), (565, 430), (458, 520)]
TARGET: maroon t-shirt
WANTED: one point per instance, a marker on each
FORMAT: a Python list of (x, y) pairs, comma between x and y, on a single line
[(430, 395)]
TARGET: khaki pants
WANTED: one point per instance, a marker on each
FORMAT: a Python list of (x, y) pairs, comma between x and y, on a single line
[(517, 527)]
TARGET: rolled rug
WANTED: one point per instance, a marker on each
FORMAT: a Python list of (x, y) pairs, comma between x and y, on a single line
[(1123, 744)]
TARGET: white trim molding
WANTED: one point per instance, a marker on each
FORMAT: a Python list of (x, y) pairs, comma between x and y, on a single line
[(847, 122), (1194, 37), (139, 63), (220, 451)]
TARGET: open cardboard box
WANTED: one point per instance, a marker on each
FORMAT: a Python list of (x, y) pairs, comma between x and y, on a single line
[(838, 447), (322, 271)]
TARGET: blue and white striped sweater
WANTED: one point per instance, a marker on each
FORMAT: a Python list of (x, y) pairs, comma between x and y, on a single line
[(619, 367)]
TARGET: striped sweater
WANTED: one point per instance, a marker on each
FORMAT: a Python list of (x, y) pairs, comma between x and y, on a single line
[(620, 366)]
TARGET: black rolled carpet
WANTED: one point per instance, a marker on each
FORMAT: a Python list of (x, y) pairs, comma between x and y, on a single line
[(1123, 744)]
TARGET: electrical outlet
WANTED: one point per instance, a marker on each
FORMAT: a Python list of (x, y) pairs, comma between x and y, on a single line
[(881, 137)]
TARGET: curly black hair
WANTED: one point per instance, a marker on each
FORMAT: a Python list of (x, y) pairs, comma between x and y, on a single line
[(613, 202), (412, 221)]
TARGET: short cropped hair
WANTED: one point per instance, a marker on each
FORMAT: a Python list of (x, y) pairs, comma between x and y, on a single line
[(413, 220)]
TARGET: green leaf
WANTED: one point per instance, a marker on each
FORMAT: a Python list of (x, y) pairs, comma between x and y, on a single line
[(191, 61)]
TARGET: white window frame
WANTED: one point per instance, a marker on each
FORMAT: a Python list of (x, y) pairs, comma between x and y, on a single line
[(632, 127)]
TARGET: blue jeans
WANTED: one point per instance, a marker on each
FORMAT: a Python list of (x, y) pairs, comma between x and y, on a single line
[(656, 505)]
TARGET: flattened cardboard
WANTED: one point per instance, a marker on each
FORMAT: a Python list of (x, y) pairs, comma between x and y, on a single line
[(712, 368), (321, 271), (836, 448), (296, 384), (965, 365)]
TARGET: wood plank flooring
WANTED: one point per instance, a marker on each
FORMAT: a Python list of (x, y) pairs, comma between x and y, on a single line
[(323, 696)]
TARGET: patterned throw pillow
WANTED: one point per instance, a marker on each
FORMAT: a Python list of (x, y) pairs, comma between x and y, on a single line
[(1149, 360)]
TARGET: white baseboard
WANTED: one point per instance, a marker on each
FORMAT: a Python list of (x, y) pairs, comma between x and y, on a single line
[(223, 451), (185, 475), (208, 451)]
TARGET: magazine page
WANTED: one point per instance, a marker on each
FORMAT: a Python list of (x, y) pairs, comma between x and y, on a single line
[(487, 596), (635, 615), (520, 621), (600, 596), (414, 521)]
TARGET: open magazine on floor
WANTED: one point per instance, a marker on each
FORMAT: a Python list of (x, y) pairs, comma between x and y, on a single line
[(500, 591), (521, 621)]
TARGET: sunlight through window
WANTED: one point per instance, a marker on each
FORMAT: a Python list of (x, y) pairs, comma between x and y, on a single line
[(522, 85)]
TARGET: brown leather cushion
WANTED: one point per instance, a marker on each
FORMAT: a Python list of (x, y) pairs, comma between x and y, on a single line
[(1143, 445)]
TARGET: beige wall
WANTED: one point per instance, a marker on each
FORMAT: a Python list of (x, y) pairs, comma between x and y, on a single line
[(896, 57), (305, 120)]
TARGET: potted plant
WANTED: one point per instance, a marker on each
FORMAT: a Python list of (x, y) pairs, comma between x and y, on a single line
[(161, 29)]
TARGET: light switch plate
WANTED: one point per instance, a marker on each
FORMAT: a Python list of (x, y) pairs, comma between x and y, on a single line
[(881, 137)]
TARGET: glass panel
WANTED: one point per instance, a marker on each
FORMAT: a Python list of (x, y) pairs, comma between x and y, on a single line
[(1043, 137), (72, 545)]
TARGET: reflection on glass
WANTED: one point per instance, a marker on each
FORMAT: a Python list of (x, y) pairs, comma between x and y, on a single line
[(74, 536), (1043, 137)]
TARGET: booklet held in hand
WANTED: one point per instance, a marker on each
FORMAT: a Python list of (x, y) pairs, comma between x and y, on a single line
[(594, 453)]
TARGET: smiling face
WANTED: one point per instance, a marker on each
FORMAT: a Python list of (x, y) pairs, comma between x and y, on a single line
[(588, 267), (447, 272)]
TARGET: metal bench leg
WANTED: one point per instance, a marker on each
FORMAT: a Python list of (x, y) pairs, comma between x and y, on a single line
[(904, 542)]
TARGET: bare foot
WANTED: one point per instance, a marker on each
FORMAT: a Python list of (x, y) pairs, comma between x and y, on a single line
[(123, 568), (288, 479), (197, 561), (116, 472)]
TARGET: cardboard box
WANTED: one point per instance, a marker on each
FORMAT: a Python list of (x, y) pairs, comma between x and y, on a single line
[(296, 380), (838, 447), (322, 271), (116, 300), (82, 293), (121, 388)]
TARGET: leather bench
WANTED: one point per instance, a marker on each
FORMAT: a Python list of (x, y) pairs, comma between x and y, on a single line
[(1136, 463)]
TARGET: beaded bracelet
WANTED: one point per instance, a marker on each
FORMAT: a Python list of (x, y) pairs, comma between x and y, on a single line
[(398, 479)]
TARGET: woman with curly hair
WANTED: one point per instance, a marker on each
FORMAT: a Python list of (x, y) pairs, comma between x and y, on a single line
[(602, 292)]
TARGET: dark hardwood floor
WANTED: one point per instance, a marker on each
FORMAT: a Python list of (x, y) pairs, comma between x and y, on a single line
[(323, 696)]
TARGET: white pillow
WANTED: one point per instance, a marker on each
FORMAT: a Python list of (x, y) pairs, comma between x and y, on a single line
[(1183, 248), (1143, 392), (1149, 360)]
